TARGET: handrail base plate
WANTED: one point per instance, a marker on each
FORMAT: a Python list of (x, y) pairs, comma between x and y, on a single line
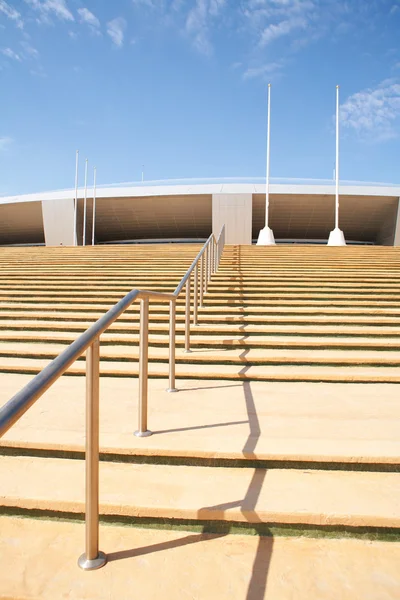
[(92, 564), (146, 433)]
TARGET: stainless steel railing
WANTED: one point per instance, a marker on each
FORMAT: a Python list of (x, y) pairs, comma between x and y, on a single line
[(208, 258)]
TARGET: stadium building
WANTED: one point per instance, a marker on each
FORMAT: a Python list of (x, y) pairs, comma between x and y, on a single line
[(301, 211)]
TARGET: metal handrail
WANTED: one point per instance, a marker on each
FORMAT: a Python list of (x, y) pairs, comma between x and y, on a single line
[(208, 259)]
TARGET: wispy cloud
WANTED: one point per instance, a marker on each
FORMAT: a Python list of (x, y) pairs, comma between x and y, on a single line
[(373, 112), (264, 70), (148, 3), (5, 143), (198, 23), (51, 8), (86, 16), (29, 50), (10, 54), (273, 19), (277, 30), (116, 29), (11, 13)]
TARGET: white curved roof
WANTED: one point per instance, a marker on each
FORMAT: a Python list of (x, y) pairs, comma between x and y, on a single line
[(216, 186)]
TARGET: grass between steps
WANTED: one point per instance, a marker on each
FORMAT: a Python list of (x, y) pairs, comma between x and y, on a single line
[(193, 461), (383, 534)]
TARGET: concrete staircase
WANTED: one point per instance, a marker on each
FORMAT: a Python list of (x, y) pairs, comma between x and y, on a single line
[(276, 430), (271, 314)]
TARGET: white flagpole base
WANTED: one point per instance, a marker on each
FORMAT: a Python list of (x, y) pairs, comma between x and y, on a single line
[(336, 238), (266, 237)]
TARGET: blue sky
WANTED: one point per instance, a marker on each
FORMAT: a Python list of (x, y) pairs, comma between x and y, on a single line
[(181, 87)]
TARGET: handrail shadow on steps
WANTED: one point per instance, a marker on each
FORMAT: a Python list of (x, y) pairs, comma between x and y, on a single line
[(204, 265)]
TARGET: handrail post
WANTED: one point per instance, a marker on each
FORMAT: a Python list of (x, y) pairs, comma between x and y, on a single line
[(209, 261), (143, 368), (172, 331), (92, 557), (187, 316), (212, 257), (205, 269), (195, 293), (201, 279)]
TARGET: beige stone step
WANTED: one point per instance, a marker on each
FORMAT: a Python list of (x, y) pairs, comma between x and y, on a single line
[(216, 341), (204, 317), (248, 298), (207, 329), (239, 372), (243, 421), (39, 561), (210, 302), (215, 356), (295, 496), (207, 309)]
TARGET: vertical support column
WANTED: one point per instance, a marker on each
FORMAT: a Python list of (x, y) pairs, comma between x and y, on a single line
[(396, 232), (172, 331), (195, 293), (187, 317), (205, 269), (143, 368), (92, 558)]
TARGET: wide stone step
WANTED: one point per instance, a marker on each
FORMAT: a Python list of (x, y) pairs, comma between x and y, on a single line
[(247, 298), (249, 312), (214, 341), (239, 372), (207, 566), (295, 496), (313, 319), (206, 329), (214, 356), (340, 426)]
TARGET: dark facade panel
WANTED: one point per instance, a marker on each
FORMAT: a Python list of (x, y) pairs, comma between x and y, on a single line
[(292, 216), (21, 223), (153, 217)]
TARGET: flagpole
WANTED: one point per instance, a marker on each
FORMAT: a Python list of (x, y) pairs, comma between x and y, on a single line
[(268, 157), (76, 198), (94, 204), (337, 161), (266, 235), (84, 206), (336, 237)]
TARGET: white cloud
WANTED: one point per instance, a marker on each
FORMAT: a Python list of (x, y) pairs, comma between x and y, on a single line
[(198, 23), (148, 3), (30, 50), (89, 18), (49, 8), (5, 143), (275, 31), (263, 71), (11, 13), (273, 19), (373, 112), (10, 54), (115, 30), (38, 72)]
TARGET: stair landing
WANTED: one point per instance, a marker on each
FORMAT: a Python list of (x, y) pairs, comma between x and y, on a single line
[(39, 563)]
